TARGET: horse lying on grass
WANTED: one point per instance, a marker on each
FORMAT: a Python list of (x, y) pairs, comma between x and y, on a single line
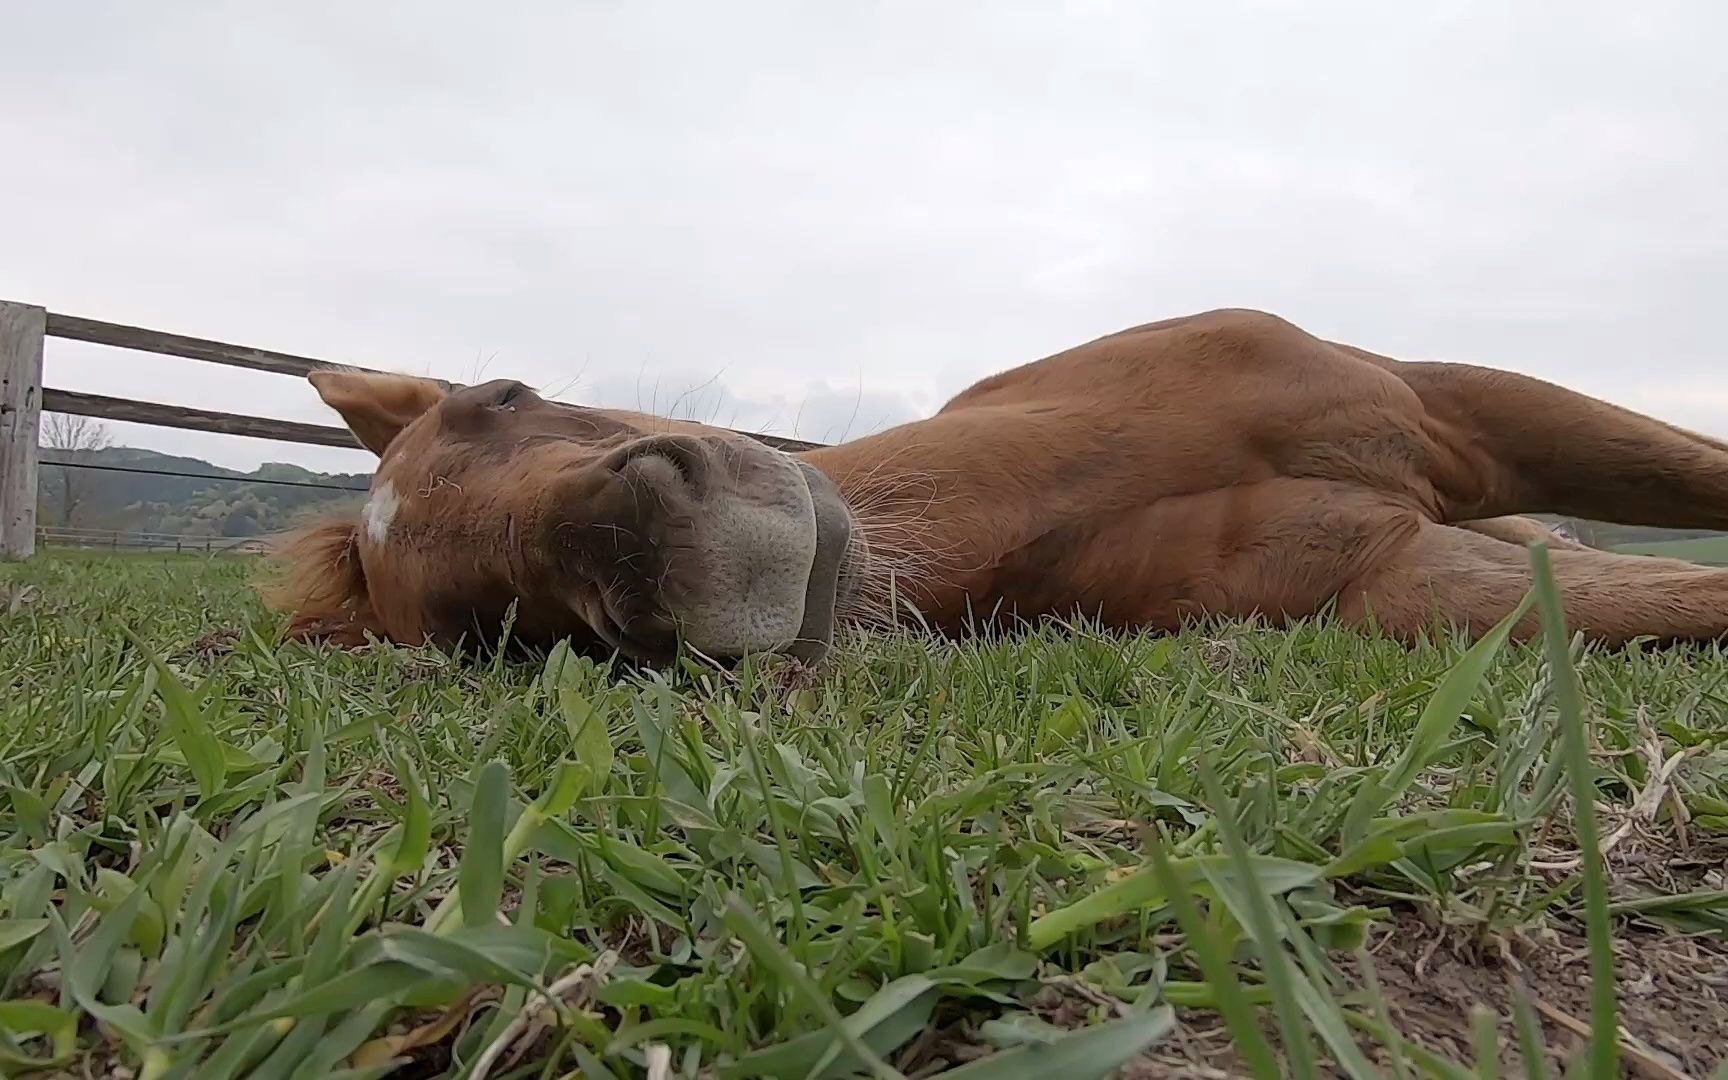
[(1220, 464)]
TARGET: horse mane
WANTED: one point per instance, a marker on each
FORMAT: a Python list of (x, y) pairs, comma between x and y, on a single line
[(315, 575)]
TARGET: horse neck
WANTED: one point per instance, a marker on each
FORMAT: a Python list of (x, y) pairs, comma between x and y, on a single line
[(942, 500)]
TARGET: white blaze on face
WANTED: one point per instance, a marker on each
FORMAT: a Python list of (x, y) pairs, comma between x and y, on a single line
[(380, 512)]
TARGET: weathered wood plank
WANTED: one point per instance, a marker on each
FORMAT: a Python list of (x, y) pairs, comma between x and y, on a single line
[(73, 328), (22, 327), (177, 416)]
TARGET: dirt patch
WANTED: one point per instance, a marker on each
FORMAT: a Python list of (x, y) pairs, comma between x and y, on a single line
[(1201, 1048), (214, 644), (1673, 993), (1672, 990)]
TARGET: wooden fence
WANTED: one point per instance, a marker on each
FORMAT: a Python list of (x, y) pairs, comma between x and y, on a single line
[(24, 329), (154, 542)]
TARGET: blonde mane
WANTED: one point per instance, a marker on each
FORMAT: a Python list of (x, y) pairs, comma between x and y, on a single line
[(314, 574)]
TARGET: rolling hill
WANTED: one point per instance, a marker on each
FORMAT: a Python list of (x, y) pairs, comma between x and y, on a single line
[(125, 490)]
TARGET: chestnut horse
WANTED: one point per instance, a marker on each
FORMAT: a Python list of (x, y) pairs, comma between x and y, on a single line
[(1220, 464)]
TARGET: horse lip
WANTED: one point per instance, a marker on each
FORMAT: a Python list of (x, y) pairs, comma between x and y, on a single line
[(599, 615), (833, 534)]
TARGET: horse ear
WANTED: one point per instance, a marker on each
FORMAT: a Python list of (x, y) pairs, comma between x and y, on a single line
[(376, 407)]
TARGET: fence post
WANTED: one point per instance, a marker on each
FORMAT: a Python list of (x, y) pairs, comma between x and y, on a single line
[(22, 328)]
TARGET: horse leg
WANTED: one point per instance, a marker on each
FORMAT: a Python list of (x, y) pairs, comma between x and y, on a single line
[(1289, 548), (1511, 444), (1520, 530), (1462, 578)]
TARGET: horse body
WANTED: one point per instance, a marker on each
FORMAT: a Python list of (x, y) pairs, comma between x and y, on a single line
[(1220, 464)]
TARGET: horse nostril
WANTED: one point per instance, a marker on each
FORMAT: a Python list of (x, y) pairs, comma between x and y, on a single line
[(681, 457)]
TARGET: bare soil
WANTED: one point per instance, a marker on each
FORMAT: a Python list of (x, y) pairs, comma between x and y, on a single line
[(1673, 995)]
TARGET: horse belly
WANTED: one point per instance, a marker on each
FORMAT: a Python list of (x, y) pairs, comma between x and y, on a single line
[(1144, 568), (1280, 549)]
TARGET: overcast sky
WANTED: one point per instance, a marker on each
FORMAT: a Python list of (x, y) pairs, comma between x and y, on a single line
[(820, 219)]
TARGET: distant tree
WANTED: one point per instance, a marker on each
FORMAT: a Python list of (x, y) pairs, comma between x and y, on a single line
[(240, 523), (245, 517), (77, 438)]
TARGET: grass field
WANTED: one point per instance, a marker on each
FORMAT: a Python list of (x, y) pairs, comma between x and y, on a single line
[(1710, 550), (1234, 852)]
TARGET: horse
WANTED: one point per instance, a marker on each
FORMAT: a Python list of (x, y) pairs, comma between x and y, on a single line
[(1224, 464)]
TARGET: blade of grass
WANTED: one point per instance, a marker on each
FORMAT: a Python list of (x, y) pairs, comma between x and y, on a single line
[(893, 1015), (1485, 1036), (1215, 962), (1087, 1054), (1439, 716), (1574, 738), (187, 724), (1144, 889), (760, 942), (1529, 1035), (558, 797), (1371, 983), (1263, 929), (480, 878)]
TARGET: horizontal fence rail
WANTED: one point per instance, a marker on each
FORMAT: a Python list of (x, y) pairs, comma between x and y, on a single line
[(23, 397), (189, 419), (132, 540), (72, 328)]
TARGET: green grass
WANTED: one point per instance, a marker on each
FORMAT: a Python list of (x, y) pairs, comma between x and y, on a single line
[(1709, 550), (1036, 855)]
